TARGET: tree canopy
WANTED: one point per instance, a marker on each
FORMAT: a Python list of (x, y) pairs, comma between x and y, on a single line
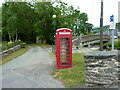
[(28, 21)]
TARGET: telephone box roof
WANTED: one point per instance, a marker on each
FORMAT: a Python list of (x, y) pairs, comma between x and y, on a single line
[(63, 29)]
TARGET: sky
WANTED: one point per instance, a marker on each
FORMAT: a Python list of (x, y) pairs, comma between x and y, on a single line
[(92, 9)]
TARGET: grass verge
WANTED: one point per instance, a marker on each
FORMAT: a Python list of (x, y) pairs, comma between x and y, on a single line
[(43, 45), (40, 45), (13, 55), (73, 76)]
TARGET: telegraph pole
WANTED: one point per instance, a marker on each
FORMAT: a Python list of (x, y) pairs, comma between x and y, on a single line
[(101, 27)]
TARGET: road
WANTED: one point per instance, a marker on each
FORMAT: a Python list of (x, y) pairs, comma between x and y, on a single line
[(30, 70)]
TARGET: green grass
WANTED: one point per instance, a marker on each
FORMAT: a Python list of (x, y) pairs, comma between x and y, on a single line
[(13, 55), (32, 45), (42, 45), (0, 44), (73, 76), (95, 50), (3, 44)]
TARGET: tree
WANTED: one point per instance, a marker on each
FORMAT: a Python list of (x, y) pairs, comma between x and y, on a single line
[(44, 20), (28, 21), (72, 18), (17, 22)]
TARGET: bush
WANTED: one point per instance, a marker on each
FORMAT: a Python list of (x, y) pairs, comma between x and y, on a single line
[(116, 45), (10, 42), (17, 42), (23, 45), (9, 45)]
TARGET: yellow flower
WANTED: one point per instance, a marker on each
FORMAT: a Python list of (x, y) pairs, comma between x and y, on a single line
[(10, 42)]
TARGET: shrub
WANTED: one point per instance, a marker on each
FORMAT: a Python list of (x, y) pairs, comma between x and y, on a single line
[(10, 42), (23, 45), (116, 45), (17, 42)]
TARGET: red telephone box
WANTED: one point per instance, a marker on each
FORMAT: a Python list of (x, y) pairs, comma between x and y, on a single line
[(63, 48)]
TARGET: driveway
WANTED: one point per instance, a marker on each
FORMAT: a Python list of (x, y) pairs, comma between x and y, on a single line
[(31, 70)]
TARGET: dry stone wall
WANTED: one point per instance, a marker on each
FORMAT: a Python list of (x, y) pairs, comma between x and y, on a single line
[(102, 68), (6, 52)]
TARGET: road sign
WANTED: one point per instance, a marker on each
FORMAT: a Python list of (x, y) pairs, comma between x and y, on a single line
[(112, 18), (112, 25)]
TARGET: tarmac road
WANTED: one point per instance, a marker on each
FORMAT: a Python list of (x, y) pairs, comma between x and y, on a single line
[(31, 70)]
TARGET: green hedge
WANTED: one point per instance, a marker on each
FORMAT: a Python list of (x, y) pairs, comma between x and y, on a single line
[(116, 45)]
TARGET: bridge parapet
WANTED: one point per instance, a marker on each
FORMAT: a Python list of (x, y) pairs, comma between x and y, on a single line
[(87, 38)]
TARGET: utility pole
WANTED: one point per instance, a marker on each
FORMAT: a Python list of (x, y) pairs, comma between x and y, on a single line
[(101, 27)]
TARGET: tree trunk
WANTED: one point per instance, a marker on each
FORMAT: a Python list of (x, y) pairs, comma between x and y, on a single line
[(9, 36), (13, 39), (16, 35)]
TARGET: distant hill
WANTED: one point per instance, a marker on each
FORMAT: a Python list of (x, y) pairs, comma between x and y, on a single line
[(97, 29), (105, 28)]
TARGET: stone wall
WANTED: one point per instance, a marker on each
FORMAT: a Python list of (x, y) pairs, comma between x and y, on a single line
[(6, 52), (102, 68)]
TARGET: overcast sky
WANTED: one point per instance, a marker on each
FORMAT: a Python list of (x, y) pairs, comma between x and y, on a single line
[(92, 8)]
